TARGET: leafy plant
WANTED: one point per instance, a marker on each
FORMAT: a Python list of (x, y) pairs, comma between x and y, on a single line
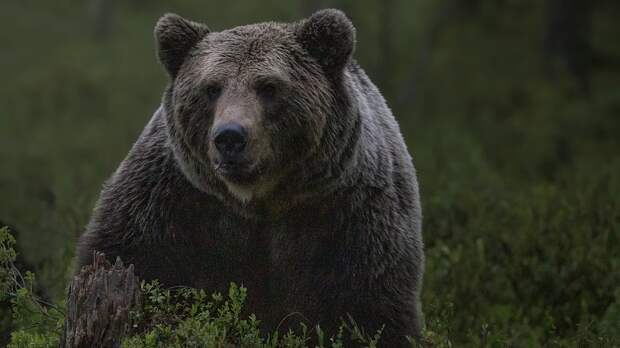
[(187, 317), (38, 323)]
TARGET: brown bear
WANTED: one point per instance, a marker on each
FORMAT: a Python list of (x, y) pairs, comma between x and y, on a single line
[(273, 162)]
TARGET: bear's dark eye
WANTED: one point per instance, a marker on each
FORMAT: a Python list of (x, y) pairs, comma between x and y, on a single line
[(268, 89), (213, 91)]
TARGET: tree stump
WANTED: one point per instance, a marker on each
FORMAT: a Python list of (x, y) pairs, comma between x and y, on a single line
[(99, 301)]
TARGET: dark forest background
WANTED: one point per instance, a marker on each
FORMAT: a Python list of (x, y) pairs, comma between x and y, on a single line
[(511, 110)]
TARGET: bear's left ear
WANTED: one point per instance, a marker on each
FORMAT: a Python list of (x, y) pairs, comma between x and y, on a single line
[(175, 37), (329, 36)]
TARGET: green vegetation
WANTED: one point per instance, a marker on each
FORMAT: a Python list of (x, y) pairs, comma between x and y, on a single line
[(516, 142), (188, 318), (36, 323)]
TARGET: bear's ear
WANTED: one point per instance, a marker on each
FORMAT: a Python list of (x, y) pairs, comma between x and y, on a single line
[(329, 36), (175, 37)]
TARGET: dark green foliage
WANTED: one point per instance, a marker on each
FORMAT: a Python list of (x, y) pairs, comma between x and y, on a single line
[(519, 165), (36, 323), (185, 317), (547, 272)]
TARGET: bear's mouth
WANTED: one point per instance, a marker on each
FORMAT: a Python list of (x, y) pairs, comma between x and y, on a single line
[(236, 172)]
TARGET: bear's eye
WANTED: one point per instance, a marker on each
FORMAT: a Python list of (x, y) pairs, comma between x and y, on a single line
[(213, 91), (267, 89)]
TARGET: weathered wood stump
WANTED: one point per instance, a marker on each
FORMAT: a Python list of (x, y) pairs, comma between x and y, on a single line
[(99, 301)]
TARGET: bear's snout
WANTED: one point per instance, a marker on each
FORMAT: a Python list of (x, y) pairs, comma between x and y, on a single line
[(230, 140), (235, 140)]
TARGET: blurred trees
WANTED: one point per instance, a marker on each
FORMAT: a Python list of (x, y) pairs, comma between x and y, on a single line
[(567, 38), (309, 6), (101, 13)]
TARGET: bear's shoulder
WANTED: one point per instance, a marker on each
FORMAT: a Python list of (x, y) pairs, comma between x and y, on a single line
[(146, 187)]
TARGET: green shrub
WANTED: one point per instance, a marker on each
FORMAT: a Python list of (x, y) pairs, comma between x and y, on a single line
[(36, 322), (186, 317), (537, 267)]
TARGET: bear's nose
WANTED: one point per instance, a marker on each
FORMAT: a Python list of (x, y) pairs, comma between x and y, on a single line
[(230, 139)]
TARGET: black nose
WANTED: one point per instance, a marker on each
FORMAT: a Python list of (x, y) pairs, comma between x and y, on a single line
[(230, 139)]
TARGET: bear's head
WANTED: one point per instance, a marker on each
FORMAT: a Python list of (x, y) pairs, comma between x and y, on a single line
[(259, 111)]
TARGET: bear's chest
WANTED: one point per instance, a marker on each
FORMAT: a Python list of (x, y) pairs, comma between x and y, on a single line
[(287, 264), (244, 248)]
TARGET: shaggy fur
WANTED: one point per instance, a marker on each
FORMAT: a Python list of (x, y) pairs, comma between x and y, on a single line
[(322, 215)]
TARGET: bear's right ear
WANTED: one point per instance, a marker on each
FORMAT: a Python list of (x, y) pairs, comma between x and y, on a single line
[(175, 37)]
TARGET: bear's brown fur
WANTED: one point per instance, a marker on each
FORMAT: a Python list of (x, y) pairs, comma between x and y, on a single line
[(316, 211)]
